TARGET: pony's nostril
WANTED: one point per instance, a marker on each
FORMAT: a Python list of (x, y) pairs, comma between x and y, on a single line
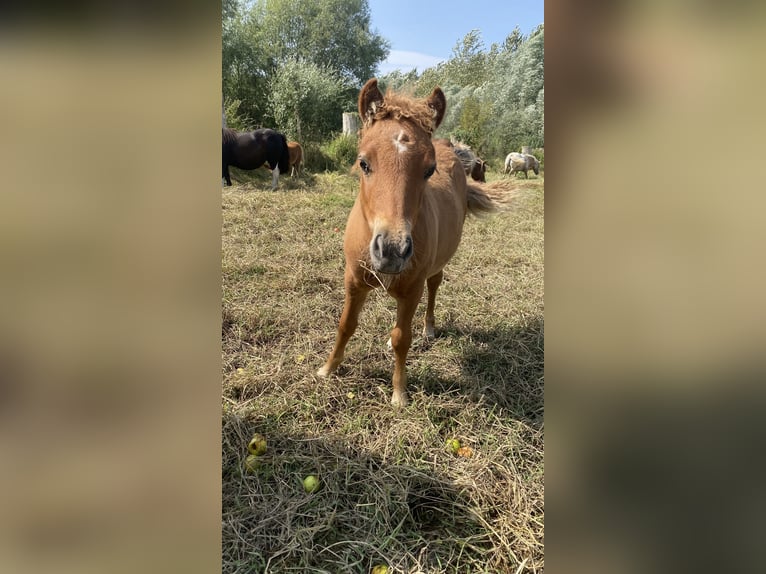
[(377, 246), (407, 248)]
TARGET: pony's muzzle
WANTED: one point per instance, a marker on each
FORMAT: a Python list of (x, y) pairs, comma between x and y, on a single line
[(390, 255)]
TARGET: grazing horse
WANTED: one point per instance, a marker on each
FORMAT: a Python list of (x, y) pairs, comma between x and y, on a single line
[(296, 157), (517, 162), (473, 164), (250, 150), (478, 170), (407, 220)]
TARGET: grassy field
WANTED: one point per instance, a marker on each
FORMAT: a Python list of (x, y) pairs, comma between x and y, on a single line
[(391, 493)]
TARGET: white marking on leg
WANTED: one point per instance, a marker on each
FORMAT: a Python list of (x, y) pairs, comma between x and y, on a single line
[(399, 400), (274, 178)]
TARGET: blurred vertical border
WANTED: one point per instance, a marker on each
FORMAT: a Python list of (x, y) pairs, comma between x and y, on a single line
[(110, 317), (655, 315)]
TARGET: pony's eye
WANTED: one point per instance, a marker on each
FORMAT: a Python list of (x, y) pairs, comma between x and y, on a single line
[(430, 171), (365, 166)]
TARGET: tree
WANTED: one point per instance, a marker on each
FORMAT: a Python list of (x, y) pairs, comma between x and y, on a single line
[(229, 9), (399, 81), (520, 73), (334, 34), (243, 63), (264, 37), (513, 41), (517, 95), (306, 100), (467, 67)]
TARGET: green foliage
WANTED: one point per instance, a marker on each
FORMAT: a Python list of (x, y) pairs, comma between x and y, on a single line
[(229, 9), (467, 67), (495, 100), (260, 38), (473, 116), (297, 66), (315, 159), (306, 100), (513, 41), (495, 97), (236, 119), (244, 65), (330, 33), (397, 80), (339, 154), (342, 152)]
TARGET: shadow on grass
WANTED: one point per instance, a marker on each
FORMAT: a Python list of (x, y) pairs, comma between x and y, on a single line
[(505, 365), (367, 511), (261, 179), (501, 366)]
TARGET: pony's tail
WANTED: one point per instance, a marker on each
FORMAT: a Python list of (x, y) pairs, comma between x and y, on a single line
[(284, 160), (487, 198)]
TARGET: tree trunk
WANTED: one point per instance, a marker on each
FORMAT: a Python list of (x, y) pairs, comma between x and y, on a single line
[(350, 124)]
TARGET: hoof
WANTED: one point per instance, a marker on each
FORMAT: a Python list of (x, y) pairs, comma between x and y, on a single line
[(400, 400), (323, 372), (429, 333), (389, 345)]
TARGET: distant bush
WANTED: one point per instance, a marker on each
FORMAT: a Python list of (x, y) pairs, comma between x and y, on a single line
[(315, 158), (342, 152), (236, 119)]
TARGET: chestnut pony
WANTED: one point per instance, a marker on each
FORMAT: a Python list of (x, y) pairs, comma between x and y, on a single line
[(407, 220)]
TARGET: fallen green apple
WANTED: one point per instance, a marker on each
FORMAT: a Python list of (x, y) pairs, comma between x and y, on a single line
[(311, 483), (453, 445), (257, 444), (251, 463)]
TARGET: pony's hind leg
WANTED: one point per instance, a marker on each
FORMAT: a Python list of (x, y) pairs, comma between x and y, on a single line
[(349, 319), (433, 285), (274, 178)]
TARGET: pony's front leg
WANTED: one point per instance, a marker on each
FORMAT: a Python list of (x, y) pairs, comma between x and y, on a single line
[(274, 178), (401, 339), (349, 319)]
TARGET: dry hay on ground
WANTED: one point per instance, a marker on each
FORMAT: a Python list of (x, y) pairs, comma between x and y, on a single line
[(390, 490)]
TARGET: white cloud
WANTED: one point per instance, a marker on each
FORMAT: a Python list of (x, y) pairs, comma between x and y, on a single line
[(406, 61)]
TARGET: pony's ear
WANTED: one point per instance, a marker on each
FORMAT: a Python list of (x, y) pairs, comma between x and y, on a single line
[(370, 99), (438, 103)]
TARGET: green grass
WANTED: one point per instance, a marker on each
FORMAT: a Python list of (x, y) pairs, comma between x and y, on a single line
[(390, 492)]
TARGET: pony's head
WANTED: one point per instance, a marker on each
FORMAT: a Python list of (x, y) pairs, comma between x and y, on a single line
[(396, 158)]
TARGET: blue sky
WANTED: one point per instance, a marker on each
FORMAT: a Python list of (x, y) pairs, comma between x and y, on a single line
[(423, 32)]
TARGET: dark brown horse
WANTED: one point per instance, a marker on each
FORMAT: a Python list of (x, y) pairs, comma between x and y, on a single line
[(250, 150), (407, 220), (473, 164)]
